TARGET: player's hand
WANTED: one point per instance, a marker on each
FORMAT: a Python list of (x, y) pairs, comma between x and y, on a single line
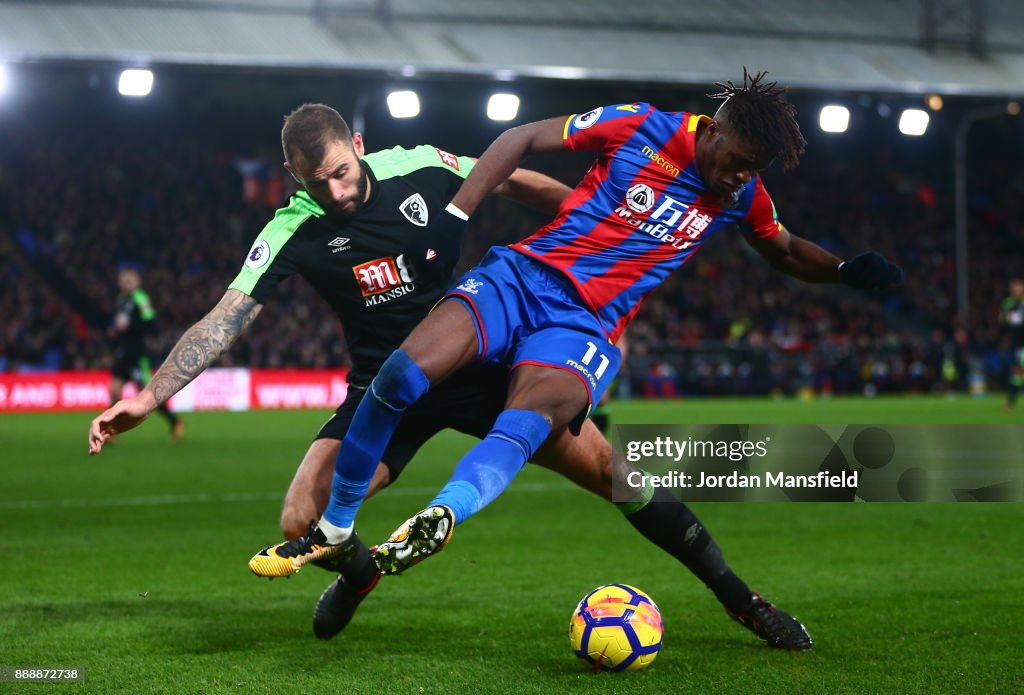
[(870, 271), (120, 417), (438, 248)]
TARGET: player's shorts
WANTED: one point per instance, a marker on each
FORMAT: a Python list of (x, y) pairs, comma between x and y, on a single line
[(526, 313), (132, 365), (468, 401)]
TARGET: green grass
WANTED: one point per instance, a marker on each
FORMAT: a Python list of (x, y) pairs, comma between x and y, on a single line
[(132, 565)]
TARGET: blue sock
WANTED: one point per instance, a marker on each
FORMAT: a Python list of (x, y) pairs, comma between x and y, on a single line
[(398, 384), (488, 468)]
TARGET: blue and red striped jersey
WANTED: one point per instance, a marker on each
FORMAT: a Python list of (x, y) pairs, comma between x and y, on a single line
[(640, 212)]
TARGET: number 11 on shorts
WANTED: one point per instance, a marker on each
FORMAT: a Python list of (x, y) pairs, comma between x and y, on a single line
[(588, 356)]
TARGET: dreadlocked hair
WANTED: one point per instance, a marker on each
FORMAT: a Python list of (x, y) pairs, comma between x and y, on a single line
[(758, 110)]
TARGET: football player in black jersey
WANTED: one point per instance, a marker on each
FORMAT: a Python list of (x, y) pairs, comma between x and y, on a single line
[(133, 320), (1011, 319), (358, 233)]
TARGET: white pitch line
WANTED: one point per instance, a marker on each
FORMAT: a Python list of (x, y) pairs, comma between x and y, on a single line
[(157, 500)]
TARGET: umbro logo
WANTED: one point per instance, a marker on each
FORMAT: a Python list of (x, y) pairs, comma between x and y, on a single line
[(340, 243)]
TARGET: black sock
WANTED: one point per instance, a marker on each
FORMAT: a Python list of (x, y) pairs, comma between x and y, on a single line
[(166, 412), (669, 524), (1011, 395), (356, 565)]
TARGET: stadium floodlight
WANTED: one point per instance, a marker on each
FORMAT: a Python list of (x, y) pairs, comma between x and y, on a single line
[(913, 122), (502, 107), (404, 104), (4, 81), (135, 82), (834, 118)]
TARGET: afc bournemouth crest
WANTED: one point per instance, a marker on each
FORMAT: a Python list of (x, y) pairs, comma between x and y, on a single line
[(415, 210)]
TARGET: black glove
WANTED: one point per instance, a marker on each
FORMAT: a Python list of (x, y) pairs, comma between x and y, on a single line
[(870, 271), (438, 247)]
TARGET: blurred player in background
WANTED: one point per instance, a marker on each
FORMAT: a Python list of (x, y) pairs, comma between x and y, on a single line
[(1011, 317), (133, 322)]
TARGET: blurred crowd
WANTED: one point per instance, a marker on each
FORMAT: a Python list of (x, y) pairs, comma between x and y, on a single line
[(184, 211)]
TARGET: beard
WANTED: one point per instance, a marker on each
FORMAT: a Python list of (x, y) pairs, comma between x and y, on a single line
[(357, 202)]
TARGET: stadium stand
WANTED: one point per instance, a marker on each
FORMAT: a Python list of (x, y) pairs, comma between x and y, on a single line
[(182, 205)]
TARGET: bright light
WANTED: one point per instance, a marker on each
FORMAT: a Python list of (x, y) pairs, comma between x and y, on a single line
[(834, 119), (135, 82), (502, 107), (404, 104), (4, 82), (913, 122)]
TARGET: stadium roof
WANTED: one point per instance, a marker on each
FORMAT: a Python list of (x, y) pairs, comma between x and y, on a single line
[(947, 46)]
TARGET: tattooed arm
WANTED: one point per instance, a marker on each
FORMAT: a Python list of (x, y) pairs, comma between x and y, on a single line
[(200, 347), (202, 344)]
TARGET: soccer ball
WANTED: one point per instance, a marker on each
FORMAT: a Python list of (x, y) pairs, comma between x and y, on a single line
[(616, 627)]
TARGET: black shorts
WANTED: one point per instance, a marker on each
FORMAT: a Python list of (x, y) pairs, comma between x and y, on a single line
[(131, 365), (468, 401)]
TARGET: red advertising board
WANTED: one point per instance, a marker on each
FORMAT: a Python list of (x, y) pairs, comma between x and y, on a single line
[(297, 388), (54, 391), (214, 389)]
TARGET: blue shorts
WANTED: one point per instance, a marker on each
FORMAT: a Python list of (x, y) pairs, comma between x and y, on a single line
[(526, 313)]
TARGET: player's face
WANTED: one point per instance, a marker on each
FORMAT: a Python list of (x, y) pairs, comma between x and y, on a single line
[(128, 281), (1017, 289), (338, 182), (726, 162)]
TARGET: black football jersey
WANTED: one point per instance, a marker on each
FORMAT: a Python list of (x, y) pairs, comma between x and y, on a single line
[(137, 313), (360, 266), (1011, 315)]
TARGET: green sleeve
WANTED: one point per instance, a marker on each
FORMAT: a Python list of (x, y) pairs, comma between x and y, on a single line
[(399, 161), (260, 268), (145, 307)]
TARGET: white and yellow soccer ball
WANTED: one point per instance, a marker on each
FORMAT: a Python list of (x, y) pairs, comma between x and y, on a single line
[(616, 627)]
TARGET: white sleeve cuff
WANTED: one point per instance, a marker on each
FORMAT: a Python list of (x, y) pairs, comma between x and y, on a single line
[(455, 211)]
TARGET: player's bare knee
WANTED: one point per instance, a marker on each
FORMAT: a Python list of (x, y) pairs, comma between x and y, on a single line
[(554, 394), (444, 342)]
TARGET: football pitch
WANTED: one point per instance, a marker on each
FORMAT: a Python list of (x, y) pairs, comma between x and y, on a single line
[(132, 565)]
